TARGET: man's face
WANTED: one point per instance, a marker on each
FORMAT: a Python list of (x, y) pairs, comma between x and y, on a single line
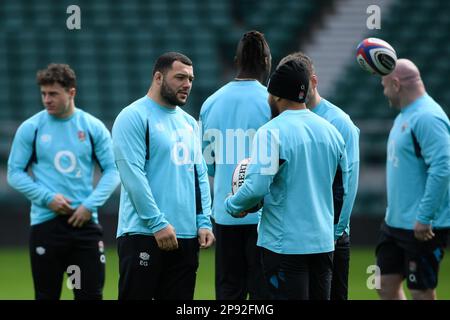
[(268, 64), (273, 106), (56, 99), (311, 95), (177, 83), (390, 85)]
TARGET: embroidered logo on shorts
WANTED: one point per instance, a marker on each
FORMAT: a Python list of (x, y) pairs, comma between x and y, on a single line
[(412, 266), (412, 270), (144, 257), (40, 250), (101, 246)]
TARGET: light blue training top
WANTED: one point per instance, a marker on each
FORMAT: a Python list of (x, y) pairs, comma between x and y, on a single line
[(61, 154), (295, 159)]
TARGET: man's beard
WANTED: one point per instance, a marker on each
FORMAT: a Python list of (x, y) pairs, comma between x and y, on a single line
[(309, 99), (274, 110), (393, 103), (170, 96)]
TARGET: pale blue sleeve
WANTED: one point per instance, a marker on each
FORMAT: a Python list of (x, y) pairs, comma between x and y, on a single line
[(349, 200), (433, 136), (203, 215), (110, 177), (260, 174), (129, 152), (203, 194), (207, 146), (17, 176), (350, 134), (344, 217)]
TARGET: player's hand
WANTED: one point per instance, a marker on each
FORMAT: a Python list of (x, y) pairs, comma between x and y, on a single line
[(80, 217), (205, 238), (423, 232), (61, 205), (240, 214), (237, 215), (166, 238)]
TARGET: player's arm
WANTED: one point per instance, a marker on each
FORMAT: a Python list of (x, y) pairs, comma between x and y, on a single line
[(203, 192), (102, 144), (17, 176), (340, 194), (202, 195), (110, 177), (203, 199), (129, 152), (260, 173), (208, 146), (255, 187), (433, 137), (350, 134)]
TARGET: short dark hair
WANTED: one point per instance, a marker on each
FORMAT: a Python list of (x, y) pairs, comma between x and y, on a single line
[(57, 73), (165, 61), (301, 57), (252, 52)]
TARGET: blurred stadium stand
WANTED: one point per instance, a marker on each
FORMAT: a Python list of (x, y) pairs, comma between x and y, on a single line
[(114, 51)]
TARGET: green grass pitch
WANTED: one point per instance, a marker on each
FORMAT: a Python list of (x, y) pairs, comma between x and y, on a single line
[(16, 282)]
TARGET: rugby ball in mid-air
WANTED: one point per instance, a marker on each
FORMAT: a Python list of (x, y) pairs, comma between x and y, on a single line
[(376, 56), (238, 180)]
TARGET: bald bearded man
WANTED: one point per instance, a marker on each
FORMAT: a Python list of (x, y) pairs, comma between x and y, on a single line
[(414, 233)]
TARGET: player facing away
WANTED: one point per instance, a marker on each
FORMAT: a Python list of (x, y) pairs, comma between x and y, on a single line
[(229, 119), (342, 209), (414, 233), (164, 214), (60, 146), (306, 153)]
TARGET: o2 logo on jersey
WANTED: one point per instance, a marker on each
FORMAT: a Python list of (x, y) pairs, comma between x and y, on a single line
[(180, 153), (184, 143), (66, 162)]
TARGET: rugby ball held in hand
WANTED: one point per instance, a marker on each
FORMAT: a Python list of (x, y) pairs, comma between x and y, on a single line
[(238, 180)]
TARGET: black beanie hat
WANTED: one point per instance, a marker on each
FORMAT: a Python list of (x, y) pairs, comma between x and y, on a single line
[(290, 81)]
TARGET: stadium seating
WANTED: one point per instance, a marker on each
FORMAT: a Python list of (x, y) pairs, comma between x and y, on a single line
[(114, 51), (418, 31), (118, 42)]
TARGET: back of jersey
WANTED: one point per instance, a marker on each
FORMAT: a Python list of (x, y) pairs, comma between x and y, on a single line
[(229, 120), (298, 214)]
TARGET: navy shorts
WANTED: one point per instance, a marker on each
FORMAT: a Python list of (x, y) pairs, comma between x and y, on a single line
[(399, 252), (57, 248), (147, 272)]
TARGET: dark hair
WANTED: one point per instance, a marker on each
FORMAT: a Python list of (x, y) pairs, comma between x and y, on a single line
[(57, 73), (166, 60), (301, 57), (252, 52)]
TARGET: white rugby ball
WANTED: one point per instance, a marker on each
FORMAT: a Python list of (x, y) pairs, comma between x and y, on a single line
[(238, 180), (376, 56)]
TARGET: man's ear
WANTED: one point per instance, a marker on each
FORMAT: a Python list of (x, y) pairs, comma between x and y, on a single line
[(158, 77), (314, 81), (72, 92), (396, 84), (235, 61)]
